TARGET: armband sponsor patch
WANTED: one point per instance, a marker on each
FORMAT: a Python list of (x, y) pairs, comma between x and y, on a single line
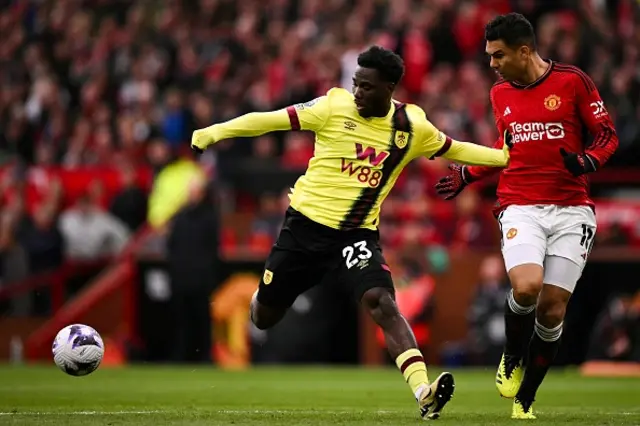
[(308, 104)]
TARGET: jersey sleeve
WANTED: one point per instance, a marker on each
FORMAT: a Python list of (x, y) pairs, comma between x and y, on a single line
[(310, 115), (434, 143), (595, 117), (248, 125), (473, 173)]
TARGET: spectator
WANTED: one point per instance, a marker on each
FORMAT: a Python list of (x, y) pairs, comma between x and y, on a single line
[(14, 261), (130, 204), (269, 219), (616, 336), (471, 229), (90, 233), (43, 241), (192, 251), (485, 339)]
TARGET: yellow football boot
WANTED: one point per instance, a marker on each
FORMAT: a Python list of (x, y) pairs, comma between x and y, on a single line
[(522, 411), (509, 376)]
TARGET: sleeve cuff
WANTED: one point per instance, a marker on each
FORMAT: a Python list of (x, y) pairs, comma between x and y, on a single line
[(592, 161), (466, 176), (445, 147)]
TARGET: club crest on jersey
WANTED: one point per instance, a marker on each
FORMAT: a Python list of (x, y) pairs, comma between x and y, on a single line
[(511, 233), (267, 277), (552, 102), (402, 138)]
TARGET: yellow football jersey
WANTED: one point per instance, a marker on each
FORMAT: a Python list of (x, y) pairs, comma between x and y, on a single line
[(356, 160)]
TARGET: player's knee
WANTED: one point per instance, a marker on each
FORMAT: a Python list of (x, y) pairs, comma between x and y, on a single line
[(552, 305), (381, 305), (264, 317), (526, 285), (550, 313), (526, 293)]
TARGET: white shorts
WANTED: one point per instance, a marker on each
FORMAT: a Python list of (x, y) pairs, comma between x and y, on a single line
[(547, 234)]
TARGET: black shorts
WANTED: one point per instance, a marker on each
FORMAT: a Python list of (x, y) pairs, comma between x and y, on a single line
[(308, 253)]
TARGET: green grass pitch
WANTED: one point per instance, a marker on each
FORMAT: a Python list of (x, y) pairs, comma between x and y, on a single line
[(162, 396)]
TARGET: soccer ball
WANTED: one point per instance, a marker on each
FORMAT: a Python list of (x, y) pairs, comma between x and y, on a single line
[(78, 350)]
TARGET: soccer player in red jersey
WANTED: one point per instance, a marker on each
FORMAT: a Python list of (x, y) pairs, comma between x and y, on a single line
[(546, 217)]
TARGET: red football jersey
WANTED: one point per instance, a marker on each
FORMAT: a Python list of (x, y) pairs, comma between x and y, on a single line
[(553, 112)]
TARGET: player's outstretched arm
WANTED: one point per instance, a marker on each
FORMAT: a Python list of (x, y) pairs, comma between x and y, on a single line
[(311, 115), (453, 184), (248, 125), (477, 155)]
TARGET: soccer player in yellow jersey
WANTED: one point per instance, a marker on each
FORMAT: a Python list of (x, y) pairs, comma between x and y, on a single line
[(363, 141)]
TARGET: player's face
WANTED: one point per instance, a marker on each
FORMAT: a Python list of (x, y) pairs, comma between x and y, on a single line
[(510, 63), (372, 93)]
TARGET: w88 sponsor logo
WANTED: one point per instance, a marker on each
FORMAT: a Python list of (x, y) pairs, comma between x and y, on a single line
[(536, 131)]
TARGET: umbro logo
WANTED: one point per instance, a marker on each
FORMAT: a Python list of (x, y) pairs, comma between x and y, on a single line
[(506, 112), (349, 125)]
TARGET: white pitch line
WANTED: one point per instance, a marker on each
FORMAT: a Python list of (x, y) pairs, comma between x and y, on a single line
[(238, 412), (304, 412), (76, 413)]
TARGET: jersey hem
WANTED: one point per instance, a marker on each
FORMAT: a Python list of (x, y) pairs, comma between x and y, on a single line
[(503, 206), (327, 223)]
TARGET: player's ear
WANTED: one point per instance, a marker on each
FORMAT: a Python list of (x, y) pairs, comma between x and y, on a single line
[(525, 51), (391, 87)]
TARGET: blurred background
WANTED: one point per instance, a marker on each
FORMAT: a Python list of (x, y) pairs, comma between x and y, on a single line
[(107, 219)]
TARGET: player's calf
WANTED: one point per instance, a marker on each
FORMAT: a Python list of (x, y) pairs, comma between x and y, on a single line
[(519, 314), (402, 346), (262, 316), (381, 305), (526, 284), (545, 341)]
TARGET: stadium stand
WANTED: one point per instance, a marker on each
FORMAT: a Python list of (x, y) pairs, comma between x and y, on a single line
[(98, 99)]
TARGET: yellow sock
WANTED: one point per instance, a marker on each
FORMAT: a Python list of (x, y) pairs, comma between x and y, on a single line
[(413, 368)]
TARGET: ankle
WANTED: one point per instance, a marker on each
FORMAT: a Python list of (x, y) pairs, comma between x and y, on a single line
[(421, 388)]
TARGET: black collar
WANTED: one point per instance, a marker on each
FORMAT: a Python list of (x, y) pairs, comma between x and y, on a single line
[(540, 79)]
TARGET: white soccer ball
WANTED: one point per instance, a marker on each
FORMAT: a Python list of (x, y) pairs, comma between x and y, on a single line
[(78, 350)]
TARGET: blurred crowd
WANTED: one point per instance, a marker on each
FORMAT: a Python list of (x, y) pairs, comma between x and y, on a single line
[(116, 84)]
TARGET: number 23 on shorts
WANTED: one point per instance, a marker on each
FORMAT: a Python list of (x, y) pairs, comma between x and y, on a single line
[(357, 254)]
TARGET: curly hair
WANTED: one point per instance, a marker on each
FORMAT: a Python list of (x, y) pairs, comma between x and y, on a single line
[(388, 64)]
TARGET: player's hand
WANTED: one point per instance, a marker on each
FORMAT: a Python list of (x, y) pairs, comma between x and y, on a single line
[(578, 164), (507, 145), (453, 184), (200, 140), (508, 139)]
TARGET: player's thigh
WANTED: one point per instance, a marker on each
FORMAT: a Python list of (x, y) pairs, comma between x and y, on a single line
[(573, 234), (523, 236), (561, 272), (363, 267), (287, 274)]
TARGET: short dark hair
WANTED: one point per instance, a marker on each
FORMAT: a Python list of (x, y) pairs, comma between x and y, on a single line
[(513, 28), (387, 63)]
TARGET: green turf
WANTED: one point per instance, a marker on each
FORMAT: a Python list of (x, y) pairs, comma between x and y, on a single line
[(161, 396)]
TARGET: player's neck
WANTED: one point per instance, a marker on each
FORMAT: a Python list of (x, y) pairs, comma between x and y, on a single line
[(536, 69), (382, 112)]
